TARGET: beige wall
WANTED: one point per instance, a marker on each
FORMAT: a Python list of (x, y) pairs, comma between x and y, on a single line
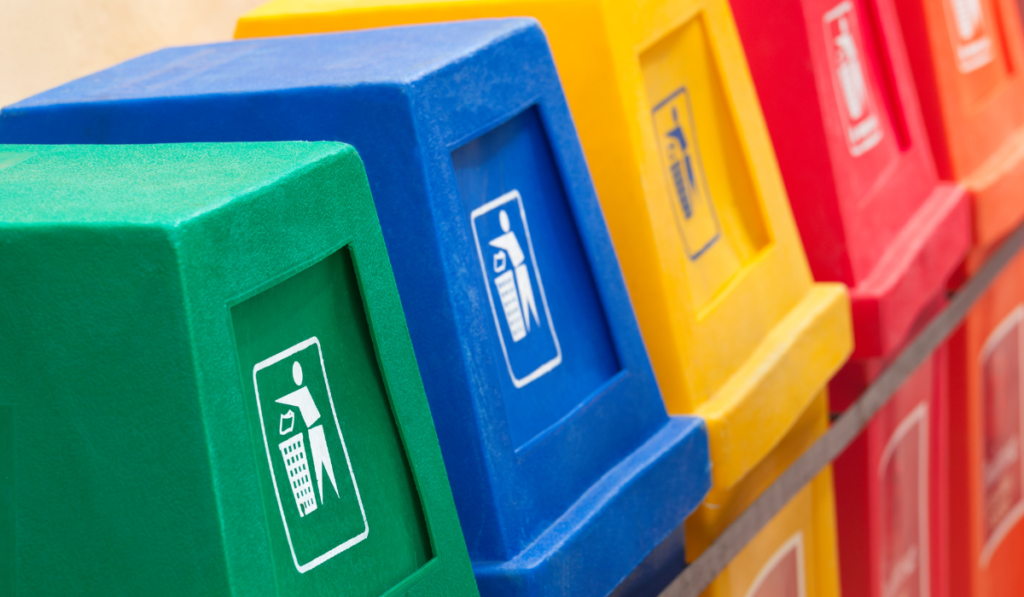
[(44, 43)]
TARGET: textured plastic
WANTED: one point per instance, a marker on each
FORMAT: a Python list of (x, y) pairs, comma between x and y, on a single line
[(892, 499), (735, 270), (131, 374), (566, 482), (986, 476), (965, 56), (841, 106), (737, 331)]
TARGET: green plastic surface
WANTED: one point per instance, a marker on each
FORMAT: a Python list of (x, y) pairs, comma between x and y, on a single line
[(149, 293)]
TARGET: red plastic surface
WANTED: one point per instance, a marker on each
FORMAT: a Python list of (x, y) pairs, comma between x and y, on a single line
[(882, 552), (890, 500), (967, 58), (841, 106), (986, 480)]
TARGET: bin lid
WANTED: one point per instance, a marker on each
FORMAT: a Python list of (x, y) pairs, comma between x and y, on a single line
[(539, 383), (209, 378), (853, 150), (683, 165), (963, 55)]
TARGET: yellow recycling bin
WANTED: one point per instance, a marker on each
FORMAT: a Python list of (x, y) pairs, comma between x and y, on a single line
[(737, 330)]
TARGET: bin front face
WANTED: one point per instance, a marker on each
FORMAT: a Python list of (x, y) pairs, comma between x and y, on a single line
[(986, 470), (517, 310), (280, 439), (794, 555), (891, 497), (685, 172), (963, 54), (854, 153)]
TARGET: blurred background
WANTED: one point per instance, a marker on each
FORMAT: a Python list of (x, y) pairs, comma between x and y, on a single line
[(44, 43)]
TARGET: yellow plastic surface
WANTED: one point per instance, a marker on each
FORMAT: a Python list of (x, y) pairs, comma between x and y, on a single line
[(806, 523), (737, 331)]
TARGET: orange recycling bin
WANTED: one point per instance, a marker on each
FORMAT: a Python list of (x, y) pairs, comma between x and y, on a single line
[(986, 487), (737, 330), (967, 57)]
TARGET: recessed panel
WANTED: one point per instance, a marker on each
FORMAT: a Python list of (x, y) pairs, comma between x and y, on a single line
[(704, 175), (342, 511), (1003, 465), (903, 515), (545, 324)]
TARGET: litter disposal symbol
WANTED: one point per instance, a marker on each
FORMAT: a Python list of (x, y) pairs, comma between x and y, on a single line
[(321, 509), (526, 331)]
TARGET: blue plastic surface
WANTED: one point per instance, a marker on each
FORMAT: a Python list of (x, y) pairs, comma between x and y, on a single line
[(566, 470)]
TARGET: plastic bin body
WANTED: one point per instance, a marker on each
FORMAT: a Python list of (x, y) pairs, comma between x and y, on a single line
[(170, 361), (795, 554), (787, 335), (737, 331), (891, 489), (963, 54), (854, 153), (840, 102), (986, 468), (565, 467)]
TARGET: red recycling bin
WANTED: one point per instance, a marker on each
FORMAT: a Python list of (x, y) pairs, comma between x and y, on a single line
[(841, 104)]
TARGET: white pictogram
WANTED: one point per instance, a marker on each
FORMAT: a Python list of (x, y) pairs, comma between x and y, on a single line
[(515, 292), (857, 108), (509, 265), (971, 40), (967, 16), (295, 450), (305, 451)]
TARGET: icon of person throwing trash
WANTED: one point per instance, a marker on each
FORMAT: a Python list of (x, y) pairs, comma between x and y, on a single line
[(516, 292)]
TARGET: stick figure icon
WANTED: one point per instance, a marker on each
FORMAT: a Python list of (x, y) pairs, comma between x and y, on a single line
[(303, 400), (517, 299)]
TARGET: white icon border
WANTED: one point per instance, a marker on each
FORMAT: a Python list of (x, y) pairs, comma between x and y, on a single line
[(303, 568), (1012, 322), (794, 543), (514, 195), (983, 43), (916, 417), (868, 143)]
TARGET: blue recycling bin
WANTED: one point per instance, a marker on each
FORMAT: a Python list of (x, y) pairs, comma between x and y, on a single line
[(566, 470)]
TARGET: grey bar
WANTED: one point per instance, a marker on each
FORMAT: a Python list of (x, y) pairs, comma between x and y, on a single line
[(698, 575)]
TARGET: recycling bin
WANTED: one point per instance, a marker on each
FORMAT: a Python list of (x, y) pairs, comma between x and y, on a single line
[(566, 469), (841, 105), (207, 386), (986, 487), (964, 55), (738, 333)]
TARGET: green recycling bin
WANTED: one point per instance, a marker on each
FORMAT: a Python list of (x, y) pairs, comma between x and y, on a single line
[(207, 386)]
